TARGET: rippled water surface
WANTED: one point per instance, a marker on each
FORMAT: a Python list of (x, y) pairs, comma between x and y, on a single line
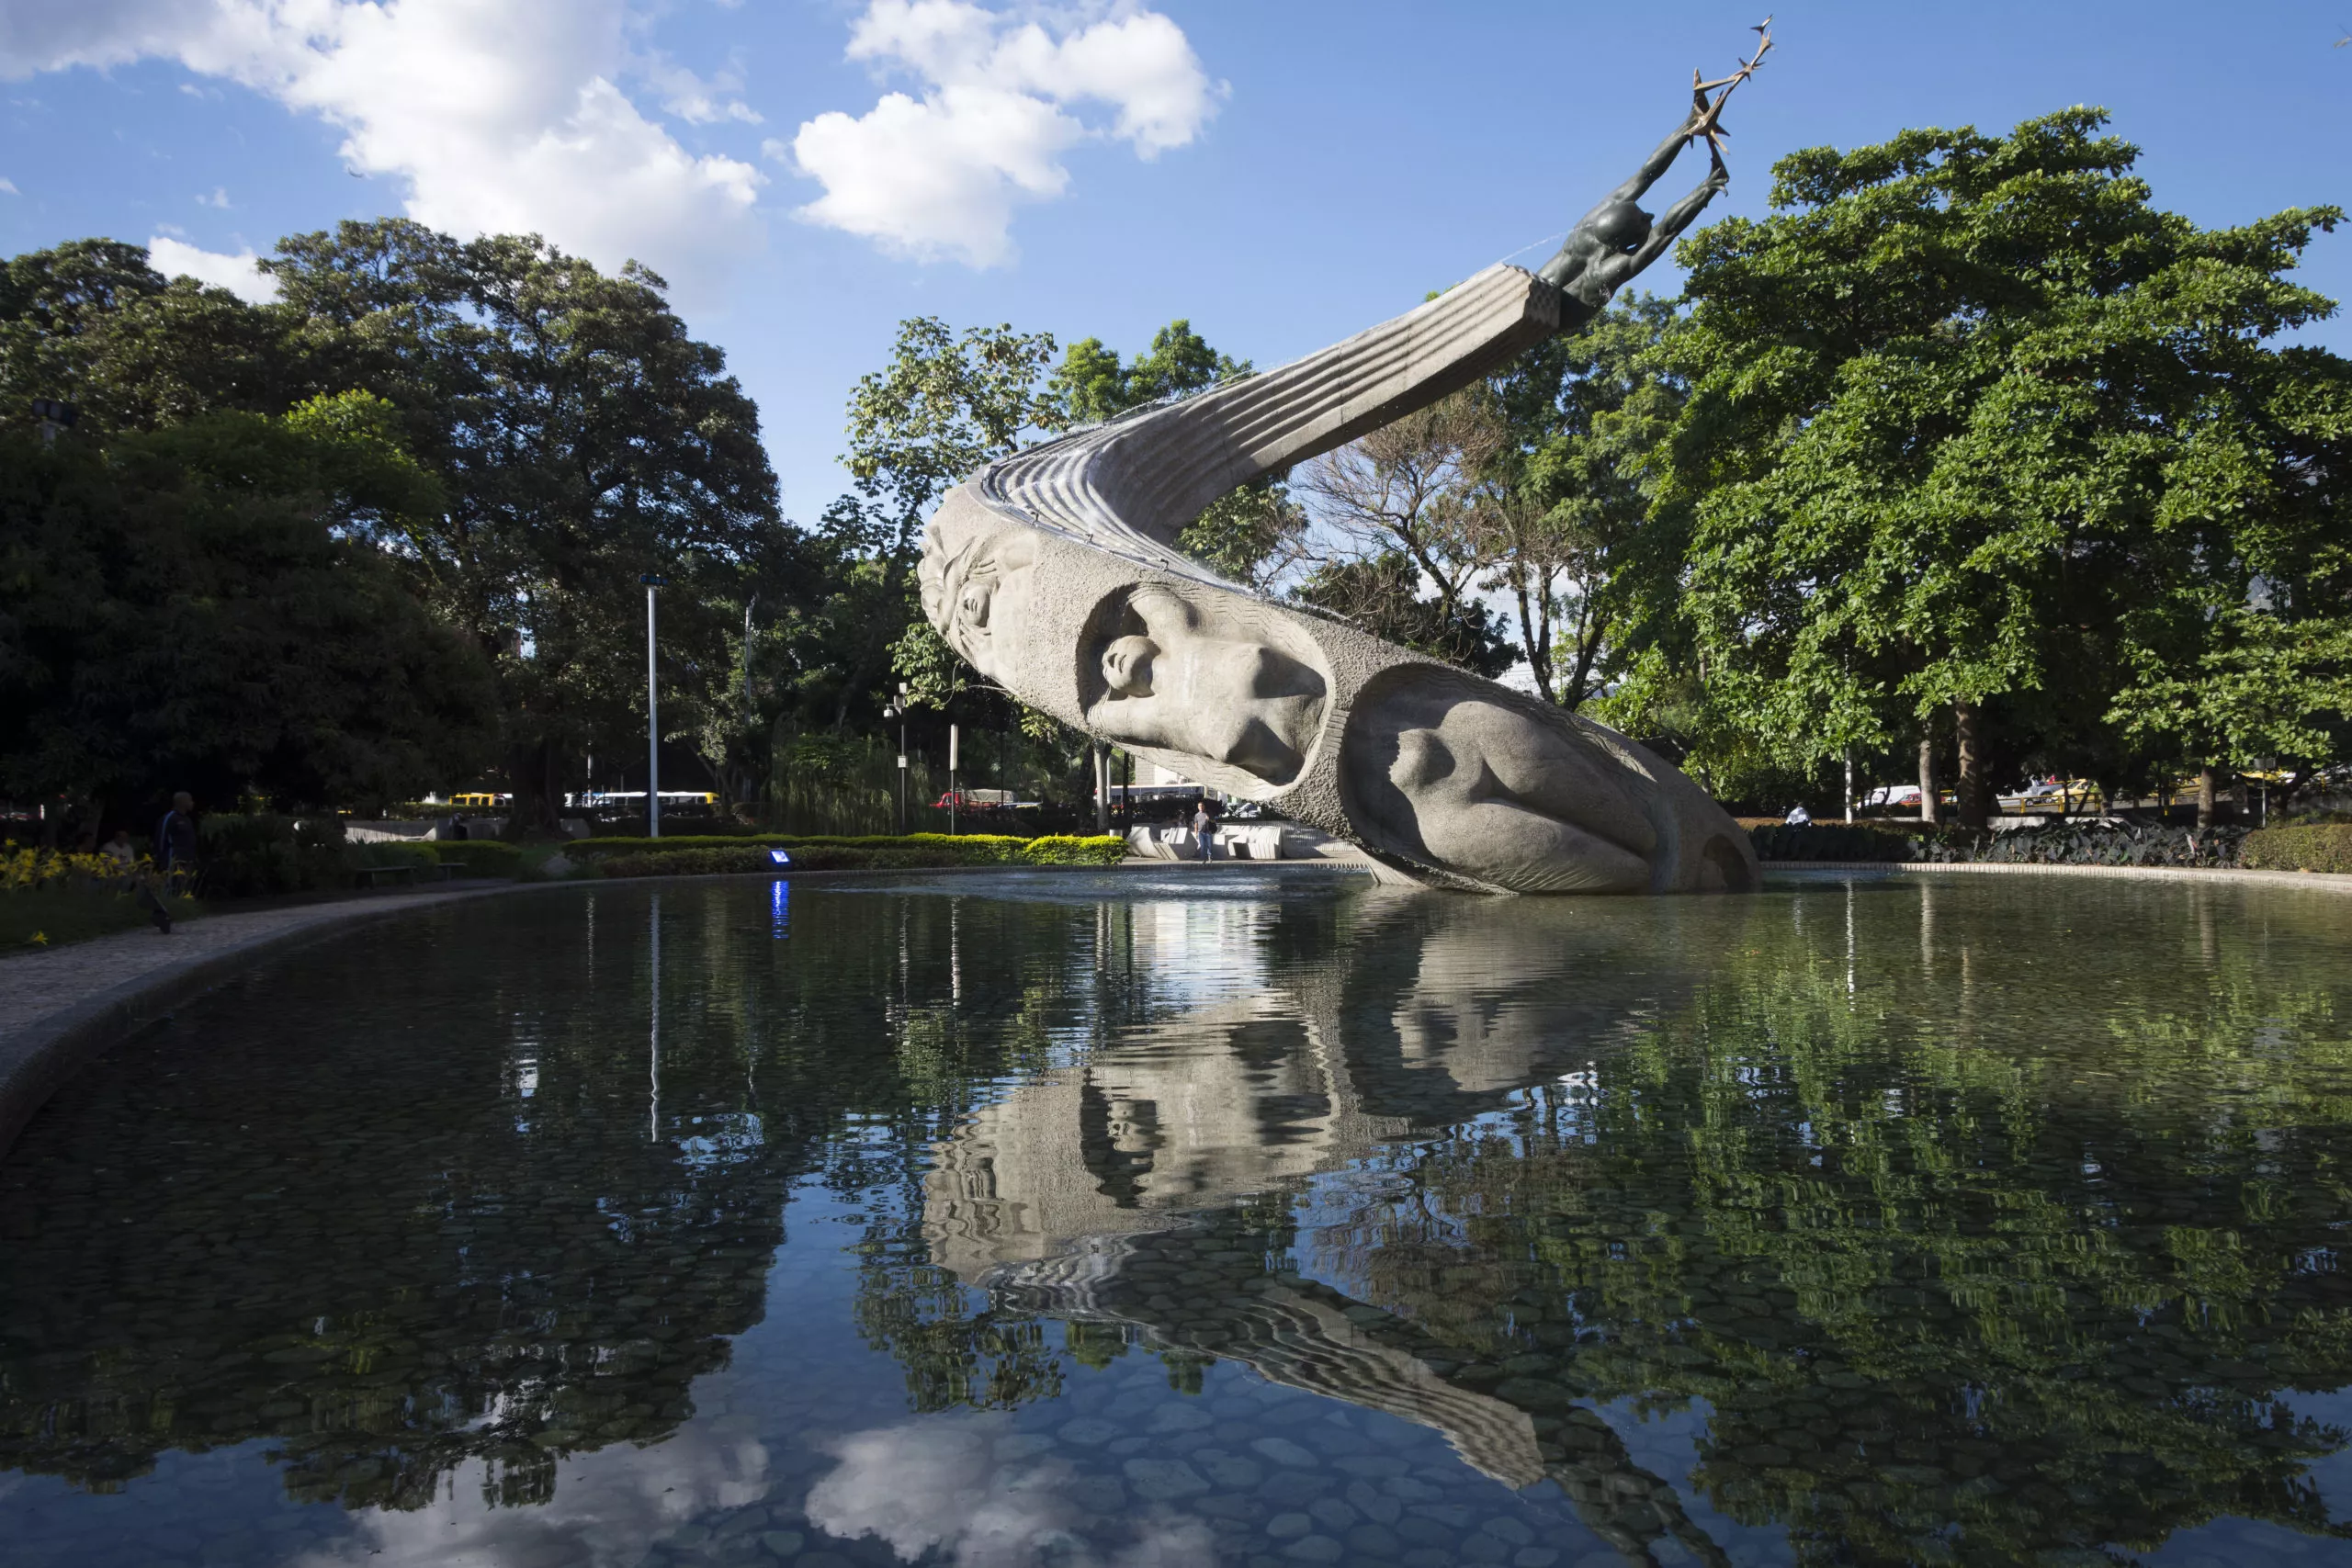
[(1114, 1220)]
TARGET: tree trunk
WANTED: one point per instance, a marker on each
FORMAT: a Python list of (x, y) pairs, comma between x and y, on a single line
[(1970, 786), (1928, 805), (2207, 805), (1534, 639), (530, 770)]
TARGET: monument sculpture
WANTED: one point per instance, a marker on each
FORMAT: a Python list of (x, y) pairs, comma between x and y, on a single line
[(1054, 572)]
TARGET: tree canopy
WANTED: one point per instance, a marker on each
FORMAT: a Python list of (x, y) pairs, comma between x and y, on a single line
[(1973, 427), (198, 609), (563, 434)]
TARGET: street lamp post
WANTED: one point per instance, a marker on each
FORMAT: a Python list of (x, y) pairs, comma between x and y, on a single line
[(898, 710), (652, 717)]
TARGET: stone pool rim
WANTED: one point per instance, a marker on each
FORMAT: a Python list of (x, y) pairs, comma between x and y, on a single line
[(39, 1058), (2322, 881)]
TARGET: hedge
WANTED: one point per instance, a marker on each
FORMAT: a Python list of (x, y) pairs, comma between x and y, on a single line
[(391, 852), (2096, 843), (480, 857), (2325, 847), (2085, 842), (917, 851), (1072, 849), (242, 857), (671, 843), (1835, 841)]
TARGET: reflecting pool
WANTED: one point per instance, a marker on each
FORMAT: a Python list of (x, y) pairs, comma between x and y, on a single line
[(1243, 1217)]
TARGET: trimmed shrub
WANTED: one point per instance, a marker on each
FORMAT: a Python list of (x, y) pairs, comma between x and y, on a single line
[(480, 857), (1070, 848), (2322, 847), (383, 852), (961, 849), (1835, 840), (2095, 844), (619, 844), (243, 857), (917, 851), (685, 863)]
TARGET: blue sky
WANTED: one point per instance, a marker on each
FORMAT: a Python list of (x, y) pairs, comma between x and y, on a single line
[(1283, 172)]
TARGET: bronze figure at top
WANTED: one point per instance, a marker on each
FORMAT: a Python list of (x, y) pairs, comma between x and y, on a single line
[(1616, 240)]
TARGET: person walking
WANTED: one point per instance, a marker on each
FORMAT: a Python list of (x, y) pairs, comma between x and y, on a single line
[(1203, 829), (175, 840), (174, 860)]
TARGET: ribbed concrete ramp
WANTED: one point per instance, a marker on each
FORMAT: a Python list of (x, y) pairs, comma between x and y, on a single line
[(1130, 486)]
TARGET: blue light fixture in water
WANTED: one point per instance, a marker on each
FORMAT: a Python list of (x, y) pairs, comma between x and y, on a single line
[(781, 857)]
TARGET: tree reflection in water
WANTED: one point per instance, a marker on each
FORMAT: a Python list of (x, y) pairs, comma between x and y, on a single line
[(1976, 1240), (1970, 1222)]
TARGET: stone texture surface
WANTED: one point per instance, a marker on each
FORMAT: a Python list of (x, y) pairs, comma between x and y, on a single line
[(1054, 573)]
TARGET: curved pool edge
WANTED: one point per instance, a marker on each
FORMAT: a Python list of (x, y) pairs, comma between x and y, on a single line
[(39, 1056), (2308, 881)]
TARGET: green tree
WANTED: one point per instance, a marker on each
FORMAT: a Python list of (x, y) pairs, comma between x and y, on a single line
[(202, 608), (1976, 427), (1563, 504), (1382, 593), (584, 439), (945, 404), (92, 323), (579, 438)]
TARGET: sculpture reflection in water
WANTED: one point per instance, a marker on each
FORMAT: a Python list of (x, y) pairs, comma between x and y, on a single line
[(2027, 1285), (1054, 572)]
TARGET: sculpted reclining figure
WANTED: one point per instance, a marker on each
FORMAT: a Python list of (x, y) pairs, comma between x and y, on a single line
[(1053, 571)]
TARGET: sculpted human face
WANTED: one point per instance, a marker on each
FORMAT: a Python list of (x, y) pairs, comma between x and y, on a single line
[(1126, 666), (982, 597)]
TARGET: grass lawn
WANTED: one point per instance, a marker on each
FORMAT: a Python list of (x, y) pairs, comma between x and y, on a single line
[(52, 918)]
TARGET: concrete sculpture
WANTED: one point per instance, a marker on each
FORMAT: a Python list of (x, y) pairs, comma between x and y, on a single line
[(1054, 572)]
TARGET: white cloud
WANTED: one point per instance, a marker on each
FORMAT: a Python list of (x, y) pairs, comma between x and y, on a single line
[(8, 187), (237, 274), (503, 116), (940, 174), (93, 32), (695, 99), (219, 197)]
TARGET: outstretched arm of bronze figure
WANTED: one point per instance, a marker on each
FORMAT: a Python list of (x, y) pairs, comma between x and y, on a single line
[(1656, 163), (1675, 218)]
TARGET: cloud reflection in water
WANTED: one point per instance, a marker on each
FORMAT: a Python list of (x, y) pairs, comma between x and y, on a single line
[(970, 1486)]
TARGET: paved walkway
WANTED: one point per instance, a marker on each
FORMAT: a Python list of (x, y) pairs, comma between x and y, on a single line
[(35, 984), (61, 1007)]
